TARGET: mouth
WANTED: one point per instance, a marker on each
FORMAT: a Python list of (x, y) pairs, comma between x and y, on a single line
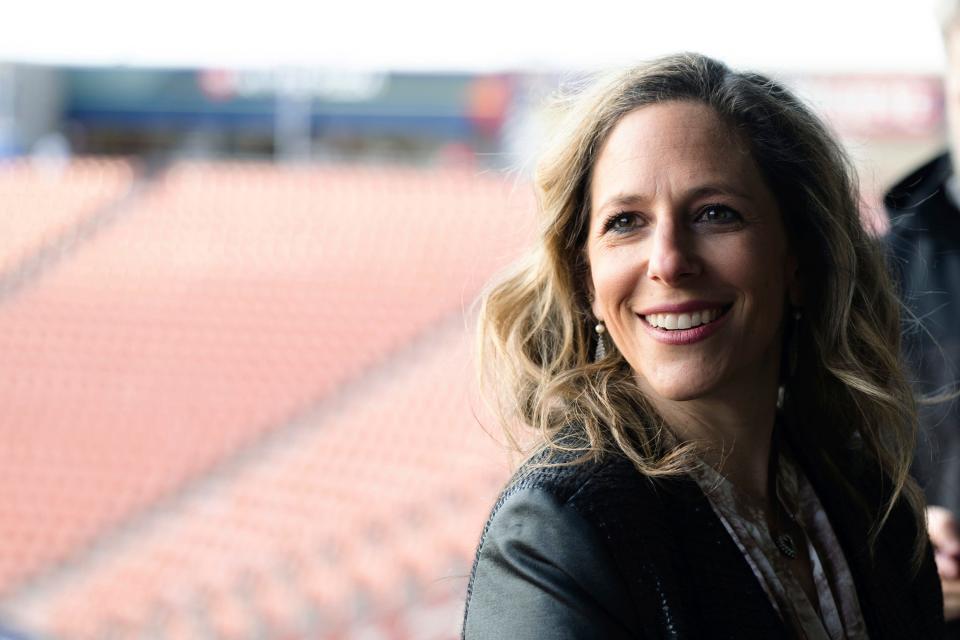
[(687, 320)]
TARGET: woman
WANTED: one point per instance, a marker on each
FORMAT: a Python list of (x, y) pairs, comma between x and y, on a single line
[(705, 347)]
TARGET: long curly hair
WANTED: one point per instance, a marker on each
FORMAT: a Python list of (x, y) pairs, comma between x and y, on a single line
[(535, 329)]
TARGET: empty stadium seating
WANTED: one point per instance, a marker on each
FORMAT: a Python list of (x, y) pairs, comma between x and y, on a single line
[(245, 403)]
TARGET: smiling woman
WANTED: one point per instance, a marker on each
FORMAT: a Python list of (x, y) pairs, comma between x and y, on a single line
[(709, 461)]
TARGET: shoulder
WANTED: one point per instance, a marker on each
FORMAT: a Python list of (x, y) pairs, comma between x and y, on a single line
[(919, 207), (919, 186), (856, 492), (594, 490), (544, 566), (854, 488), (915, 587)]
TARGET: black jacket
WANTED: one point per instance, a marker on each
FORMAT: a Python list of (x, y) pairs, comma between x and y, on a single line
[(924, 245), (596, 550)]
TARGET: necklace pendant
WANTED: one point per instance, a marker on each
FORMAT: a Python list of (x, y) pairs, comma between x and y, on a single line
[(785, 545)]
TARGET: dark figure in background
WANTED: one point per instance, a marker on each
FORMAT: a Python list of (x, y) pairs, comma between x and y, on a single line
[(924, 242)]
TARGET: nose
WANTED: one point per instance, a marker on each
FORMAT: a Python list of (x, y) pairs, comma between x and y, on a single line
[(673, 256)]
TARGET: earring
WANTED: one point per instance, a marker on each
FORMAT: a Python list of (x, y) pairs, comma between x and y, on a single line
[(793, 354), (793, 351), (601, 350)]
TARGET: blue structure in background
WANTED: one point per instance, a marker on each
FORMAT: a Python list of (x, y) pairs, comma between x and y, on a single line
[(438, 107)]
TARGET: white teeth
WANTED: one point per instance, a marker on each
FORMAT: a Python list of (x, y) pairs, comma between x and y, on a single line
[(673, 321)]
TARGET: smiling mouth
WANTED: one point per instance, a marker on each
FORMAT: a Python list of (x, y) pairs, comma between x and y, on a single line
[(681, 321)]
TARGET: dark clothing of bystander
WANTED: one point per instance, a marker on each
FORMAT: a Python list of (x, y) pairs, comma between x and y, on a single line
[(924, 246)]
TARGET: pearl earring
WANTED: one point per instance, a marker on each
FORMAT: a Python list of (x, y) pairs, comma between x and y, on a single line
[(601, 350)]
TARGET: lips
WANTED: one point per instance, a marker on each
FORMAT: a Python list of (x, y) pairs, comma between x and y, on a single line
[(677, 322)]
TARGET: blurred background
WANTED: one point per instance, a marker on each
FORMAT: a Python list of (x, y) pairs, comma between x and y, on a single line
[(239, 248)]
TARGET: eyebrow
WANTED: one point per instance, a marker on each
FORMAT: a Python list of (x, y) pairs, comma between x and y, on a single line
[(701, 191)]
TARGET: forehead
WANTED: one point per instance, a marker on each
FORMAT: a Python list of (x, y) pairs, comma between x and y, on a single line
[(672, 145), (670, 123)]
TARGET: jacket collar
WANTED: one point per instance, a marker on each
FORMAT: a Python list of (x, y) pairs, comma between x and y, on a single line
[(921, 185)]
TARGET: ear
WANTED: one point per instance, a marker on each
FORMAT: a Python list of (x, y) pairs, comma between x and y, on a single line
[(591, 293), (793, 281), (594, 308)]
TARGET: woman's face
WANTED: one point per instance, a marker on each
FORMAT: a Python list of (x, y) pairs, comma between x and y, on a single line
[(689, 264)]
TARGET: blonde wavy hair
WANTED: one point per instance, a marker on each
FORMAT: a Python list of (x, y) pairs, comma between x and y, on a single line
[(536, 336)]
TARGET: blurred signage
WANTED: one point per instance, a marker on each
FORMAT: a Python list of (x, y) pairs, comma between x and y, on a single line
[(430, 107), (488, 99), (221, 84), (877, 106)]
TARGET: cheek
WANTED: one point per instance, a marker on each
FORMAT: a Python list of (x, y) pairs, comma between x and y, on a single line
[(615, 279), (760, 274), (751, 258)]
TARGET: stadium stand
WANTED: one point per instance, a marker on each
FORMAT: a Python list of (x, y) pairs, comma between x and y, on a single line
[(43, 200), (51, 206), (226, 410)]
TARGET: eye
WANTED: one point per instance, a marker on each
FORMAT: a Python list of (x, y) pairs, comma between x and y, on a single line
[(718, 214), (621, 222)]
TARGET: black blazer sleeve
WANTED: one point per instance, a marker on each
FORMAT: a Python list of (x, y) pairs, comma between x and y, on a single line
[(542, 572)]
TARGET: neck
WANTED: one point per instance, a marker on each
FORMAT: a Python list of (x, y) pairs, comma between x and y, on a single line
[(734, 429)]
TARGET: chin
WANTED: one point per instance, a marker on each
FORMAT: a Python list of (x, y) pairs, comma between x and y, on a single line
[(683, 395), (689, 390)]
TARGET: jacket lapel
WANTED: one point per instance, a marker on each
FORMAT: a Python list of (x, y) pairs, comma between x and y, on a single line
[(719, 581), (675, 551)]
